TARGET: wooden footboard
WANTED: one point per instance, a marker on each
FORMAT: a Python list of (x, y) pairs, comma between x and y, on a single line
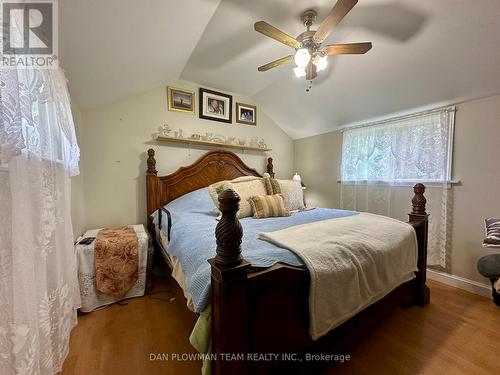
[(267, 311)]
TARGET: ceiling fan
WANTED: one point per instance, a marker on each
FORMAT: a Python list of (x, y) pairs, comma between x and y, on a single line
[(310, 56)]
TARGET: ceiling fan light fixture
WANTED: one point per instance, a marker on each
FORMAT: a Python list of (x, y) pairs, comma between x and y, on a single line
[(321, 62), (302, 57), (299, 71), (310, 54)]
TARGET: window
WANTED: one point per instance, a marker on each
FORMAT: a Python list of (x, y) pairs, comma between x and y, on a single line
[(405, 149)]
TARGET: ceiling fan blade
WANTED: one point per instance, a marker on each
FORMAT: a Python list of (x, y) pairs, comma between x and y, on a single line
[(338, 12), (348, 48), (311, 71), (272, 32), (275, 63)]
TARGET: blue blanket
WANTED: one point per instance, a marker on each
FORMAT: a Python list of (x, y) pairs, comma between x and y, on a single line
[(192, 239)]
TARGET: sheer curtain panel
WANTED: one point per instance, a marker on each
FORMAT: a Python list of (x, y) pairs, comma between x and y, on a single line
[(38, 279), (381, 161)]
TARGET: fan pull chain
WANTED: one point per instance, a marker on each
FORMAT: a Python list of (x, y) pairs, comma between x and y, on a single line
[(309, 86)]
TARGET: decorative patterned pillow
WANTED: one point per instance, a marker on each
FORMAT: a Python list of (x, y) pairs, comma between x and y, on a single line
[(268, 206), (215, 189), (246, 189), (272, 185), (292, 194), (492, 233)]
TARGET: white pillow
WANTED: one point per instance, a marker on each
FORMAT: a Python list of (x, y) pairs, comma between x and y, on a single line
[(220, 186), (293, 194), (246, 189)]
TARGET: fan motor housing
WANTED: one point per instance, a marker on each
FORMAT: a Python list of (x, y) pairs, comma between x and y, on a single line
[(306, 40)]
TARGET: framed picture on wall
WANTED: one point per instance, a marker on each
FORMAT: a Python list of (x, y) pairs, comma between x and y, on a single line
[(246, 114), (216, 106), (180, 100)]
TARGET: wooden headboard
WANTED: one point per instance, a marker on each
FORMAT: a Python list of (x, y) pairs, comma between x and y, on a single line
[(212, 167)]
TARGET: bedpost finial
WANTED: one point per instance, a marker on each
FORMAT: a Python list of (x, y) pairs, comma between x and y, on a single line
[(151, 161), (418, 202), (270, 167), (229, 231)]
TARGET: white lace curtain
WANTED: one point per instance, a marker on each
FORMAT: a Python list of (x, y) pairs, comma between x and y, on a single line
[(38, 279), (382, 161)]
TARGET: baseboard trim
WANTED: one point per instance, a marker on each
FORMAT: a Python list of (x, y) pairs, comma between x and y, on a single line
[(460, 282)]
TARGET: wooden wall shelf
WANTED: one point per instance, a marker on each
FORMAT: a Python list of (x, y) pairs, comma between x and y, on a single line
[(190, 141)]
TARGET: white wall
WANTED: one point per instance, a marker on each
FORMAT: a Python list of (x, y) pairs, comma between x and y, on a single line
[(114, 140), (317, 159), (77, 194), (476, 162)]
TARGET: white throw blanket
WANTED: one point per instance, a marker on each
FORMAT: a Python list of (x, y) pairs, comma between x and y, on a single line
[(353, 262)]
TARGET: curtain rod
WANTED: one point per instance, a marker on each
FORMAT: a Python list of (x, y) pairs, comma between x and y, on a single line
[(449, 108)]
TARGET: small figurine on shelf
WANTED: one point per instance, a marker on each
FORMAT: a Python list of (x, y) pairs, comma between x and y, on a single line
[(195, 136), (180, 133), (254, 142), (241, 142), (230, 140), (219, 138), (165, 130), (262, 144)]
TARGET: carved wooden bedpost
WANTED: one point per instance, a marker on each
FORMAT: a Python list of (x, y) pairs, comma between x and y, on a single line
[(228, 231), (270, 167), (151, 187), (419, 220), (229, 273)]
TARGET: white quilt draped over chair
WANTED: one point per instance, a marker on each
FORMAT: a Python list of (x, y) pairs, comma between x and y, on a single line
[(381, 162), (38, 278)]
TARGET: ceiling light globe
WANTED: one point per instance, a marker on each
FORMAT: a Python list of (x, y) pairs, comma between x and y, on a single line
[(302, 57), (299, 71), (321, 63)]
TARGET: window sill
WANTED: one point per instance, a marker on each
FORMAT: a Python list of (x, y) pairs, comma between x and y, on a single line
[(402, 183)]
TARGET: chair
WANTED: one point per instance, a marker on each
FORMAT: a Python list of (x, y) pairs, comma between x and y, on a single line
[(489, 265)]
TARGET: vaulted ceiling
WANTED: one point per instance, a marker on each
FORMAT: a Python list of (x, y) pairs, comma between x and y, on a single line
[(425, 53)]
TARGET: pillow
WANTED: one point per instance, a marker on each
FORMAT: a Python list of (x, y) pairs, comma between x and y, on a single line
[(245, 178), (214, 191), (218, 187), (272, 185), (268, 206), (197, 201), (492, 233), (293, 194), (246, 188)]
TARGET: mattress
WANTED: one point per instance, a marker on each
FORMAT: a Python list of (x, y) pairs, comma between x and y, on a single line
[(162, 237), (177, 272)]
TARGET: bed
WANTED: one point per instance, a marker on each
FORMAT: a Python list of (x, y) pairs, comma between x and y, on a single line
[(259, 304)]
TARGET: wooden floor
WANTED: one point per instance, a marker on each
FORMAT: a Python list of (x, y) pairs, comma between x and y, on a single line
[(119, 339), (457, 333)]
